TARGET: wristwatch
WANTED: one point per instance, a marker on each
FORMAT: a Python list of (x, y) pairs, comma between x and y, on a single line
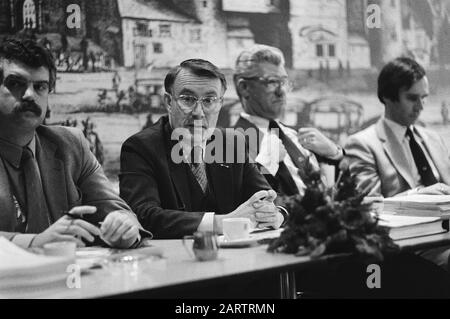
[(339, 153)]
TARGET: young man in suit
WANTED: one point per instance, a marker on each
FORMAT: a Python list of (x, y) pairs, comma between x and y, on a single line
[(262, 84), (47, 171), (395, 156), (175, 194)]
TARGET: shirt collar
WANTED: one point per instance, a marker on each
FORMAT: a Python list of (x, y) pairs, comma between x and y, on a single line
[(398, 129), (260, 122), (13, 153)]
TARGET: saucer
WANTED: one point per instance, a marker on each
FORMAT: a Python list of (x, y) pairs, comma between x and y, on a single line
[(237, 243)]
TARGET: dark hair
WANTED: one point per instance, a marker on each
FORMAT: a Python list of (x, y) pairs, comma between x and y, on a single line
[(198, 67), (400, 73), (29, 53)]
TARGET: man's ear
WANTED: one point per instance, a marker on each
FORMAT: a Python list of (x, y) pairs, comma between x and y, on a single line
[(243, 88), (168, 100)]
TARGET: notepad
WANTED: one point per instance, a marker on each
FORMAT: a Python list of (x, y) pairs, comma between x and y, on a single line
[(402, 227), (419, 205), (20, 269)]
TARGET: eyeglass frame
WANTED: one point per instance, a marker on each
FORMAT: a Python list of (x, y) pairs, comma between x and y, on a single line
[(201, 99), (264, 80), (25, 85)]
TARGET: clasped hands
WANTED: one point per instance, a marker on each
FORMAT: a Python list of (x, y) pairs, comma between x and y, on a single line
[(118, 229), (260, 209)]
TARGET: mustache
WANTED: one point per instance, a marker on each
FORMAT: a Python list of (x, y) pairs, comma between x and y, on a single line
[(29, 106)]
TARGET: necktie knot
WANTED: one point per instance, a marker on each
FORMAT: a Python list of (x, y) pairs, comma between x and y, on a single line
[(197, 155), (409, 133), (273, 125), (26, 155)]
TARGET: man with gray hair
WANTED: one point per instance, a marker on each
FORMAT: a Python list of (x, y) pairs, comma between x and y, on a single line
[(262, 84)]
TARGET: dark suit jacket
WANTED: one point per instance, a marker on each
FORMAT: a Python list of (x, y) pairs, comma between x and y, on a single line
[(158, 189), (244, 124), (71, 176)]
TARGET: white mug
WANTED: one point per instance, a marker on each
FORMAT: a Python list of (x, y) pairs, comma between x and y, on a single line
[(236, 228)]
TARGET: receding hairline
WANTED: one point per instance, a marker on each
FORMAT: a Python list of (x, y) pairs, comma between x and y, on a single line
[(189, 71), (207, 74)]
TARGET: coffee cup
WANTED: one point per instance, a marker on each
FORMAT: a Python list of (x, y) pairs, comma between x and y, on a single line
[(61, 249), (236, 228)]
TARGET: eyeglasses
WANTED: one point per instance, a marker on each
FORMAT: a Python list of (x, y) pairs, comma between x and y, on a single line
[(272, 83), (18, 85), (210, 104)]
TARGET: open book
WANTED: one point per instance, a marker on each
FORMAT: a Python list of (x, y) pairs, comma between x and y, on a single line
[(402, 227), (22, 270), (419, 205)]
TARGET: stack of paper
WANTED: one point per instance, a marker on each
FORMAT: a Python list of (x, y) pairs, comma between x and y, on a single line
[(22, 270), (402, 227), (419, 205)]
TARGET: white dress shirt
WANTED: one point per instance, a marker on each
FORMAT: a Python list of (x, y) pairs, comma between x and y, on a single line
[(268, 155), (400, 134)]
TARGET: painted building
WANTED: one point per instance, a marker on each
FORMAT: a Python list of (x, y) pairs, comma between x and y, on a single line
[(154, 35), (320, 37), (418, 30), (358, 44)]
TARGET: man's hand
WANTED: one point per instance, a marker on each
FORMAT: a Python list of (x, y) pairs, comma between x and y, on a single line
[(69, 229), (119, 230), (436, 189), (312, 139), (259, 208)]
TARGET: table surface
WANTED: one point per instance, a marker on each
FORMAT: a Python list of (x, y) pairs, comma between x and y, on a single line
[(178, 268)]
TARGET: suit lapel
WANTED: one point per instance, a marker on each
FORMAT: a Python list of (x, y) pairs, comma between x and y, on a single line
[(394, 151), (177, 172), (220, 175), (7, 209), (253, 146), (434, 148), (52, 176)]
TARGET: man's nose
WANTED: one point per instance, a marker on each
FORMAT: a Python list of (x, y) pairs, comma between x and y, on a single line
[(420, 104), (197, 111), (281, 90), (29, 93)]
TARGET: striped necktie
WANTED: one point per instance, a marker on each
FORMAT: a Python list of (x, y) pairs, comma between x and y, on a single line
[(198, 168)]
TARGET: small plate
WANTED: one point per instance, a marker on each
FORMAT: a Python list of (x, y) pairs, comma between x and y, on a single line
[(223, 243)]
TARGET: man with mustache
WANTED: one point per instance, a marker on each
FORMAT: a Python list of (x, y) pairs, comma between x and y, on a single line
[(262, 84), (175, 195), (48, 173)]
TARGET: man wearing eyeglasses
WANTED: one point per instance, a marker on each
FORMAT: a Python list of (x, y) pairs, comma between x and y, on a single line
[(262, 84), (48, 173), (172, 180)]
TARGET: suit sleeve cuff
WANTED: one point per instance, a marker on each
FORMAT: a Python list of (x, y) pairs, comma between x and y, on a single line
[(23, 240), (207, 223), (285, 214), (340, 153)]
